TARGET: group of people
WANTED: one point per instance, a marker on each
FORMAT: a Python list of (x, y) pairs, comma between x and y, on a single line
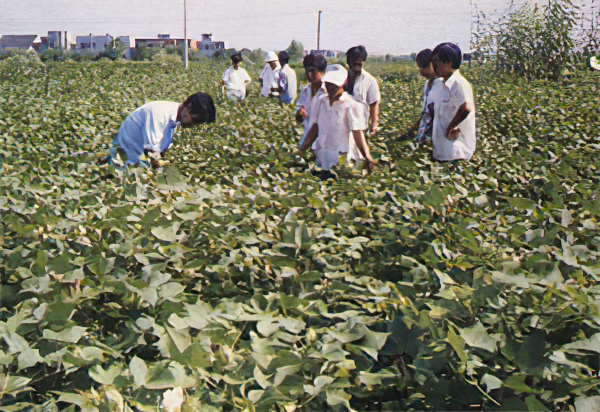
[(337, 106)]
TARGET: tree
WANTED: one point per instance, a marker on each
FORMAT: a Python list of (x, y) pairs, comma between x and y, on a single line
[(295, 49)]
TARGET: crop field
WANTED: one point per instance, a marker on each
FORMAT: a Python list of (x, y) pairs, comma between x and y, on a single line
[(235, 280)]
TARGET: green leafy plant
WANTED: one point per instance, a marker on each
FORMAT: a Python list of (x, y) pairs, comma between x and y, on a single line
[(235, 280)]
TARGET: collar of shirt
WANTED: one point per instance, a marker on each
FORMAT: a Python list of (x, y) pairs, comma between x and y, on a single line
[(452, 79), (341, 100)]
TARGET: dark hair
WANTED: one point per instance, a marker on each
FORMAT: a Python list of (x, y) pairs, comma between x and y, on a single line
[(237, 58), (201, 107), (284, 57), (355, 53), (424, 58), (317, 61), (448, 52)]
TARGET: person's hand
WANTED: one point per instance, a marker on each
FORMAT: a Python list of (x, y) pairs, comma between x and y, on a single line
[(453, 134), (373, 129), (370, 165), (303, 113)]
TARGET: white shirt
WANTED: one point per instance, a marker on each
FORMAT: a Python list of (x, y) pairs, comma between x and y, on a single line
[(235, 82), (335, 122), (288, 84), (270, 79), (307, 100), (366, 90), (447, 97), (150, 127)]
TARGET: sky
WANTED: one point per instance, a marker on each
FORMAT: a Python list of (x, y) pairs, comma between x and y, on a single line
[(383, 26)]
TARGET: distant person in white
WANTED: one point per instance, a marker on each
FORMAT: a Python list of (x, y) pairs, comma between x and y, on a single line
[(314, 66), (288, 84), (453, 133), (334, 117), (149, 129), (269, 76), (236, 79)]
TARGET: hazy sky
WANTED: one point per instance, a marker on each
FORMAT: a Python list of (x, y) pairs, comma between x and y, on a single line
[(383, 26)]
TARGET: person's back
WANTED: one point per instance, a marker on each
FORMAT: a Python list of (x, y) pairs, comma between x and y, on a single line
[(149, 127)]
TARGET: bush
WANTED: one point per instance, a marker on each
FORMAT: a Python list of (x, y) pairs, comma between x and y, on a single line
[(531, 41), (166, 57)]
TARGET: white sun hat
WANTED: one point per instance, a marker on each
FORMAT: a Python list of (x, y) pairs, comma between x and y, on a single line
[(270, 57), (336, 74), (595, 63)]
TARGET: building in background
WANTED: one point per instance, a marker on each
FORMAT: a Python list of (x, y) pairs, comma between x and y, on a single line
[(92, 44), (164, 40), (11, 42)]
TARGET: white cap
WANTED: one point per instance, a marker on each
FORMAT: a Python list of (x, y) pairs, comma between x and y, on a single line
[(595, 63), (336, 74), (271, 57)]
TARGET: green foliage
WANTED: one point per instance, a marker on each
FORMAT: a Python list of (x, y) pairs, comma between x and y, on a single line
[(144, 53), (167, 57), (256, 56), (295, 50), (532, 41), (235, 280)]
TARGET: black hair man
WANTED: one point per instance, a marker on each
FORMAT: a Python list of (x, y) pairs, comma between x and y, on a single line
[(453, 132), (150, 128)]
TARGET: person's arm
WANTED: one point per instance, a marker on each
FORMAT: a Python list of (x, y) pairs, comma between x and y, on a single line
[(374, 117), (246, 77), (310, 139), (461, 114), (361, 144)]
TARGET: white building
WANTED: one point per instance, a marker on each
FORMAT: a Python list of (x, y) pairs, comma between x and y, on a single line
[(92, 44)]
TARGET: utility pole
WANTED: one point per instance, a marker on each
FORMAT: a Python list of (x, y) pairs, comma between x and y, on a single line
[(319, 32), (185, 39)]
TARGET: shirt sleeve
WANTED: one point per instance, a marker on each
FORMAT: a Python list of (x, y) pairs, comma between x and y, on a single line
[(245, 76), (262, 73), (152, 132), (226, 76), (373, 94), (356, 116)]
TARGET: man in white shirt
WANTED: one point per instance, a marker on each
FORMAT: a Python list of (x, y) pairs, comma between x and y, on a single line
[(363, 86), (288, 84), (236, 79), (314, 66), (150, 128), (269, 76), (334, 117), (453, 133)]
